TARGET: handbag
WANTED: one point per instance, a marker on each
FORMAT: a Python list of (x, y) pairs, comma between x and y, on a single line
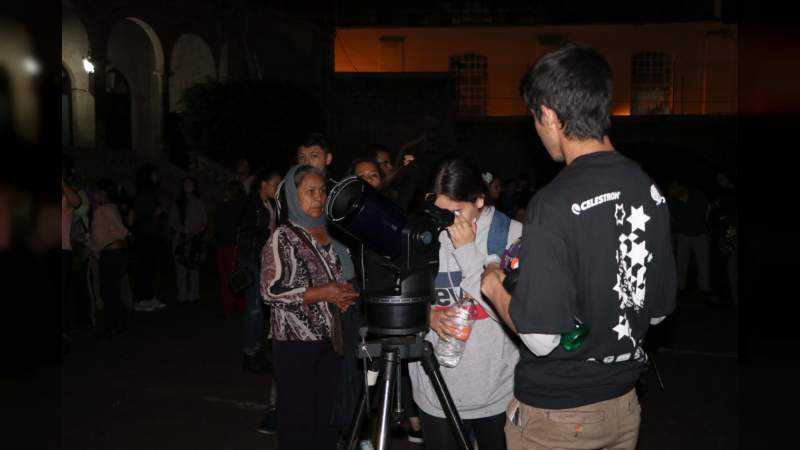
[(336, 317)]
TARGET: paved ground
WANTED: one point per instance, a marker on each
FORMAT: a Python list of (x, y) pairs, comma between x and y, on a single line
[(174, 381)]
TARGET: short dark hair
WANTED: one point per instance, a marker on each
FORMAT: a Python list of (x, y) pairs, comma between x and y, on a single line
[(357, 161), (460, 180), (373, 149), (575, 82), (317, 139), (266, 175), (304, 170)]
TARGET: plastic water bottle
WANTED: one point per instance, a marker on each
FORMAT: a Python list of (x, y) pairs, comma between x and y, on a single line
[(449, 351)]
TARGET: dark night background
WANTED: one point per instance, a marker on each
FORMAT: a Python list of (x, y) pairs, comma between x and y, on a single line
[(41, 400)]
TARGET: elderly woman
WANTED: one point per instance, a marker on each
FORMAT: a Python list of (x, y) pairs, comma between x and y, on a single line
[(302, 278)]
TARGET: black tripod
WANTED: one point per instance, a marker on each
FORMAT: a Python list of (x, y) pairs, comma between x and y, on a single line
[(391, 351)]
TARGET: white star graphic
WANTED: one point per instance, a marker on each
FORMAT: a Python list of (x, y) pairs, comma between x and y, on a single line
[(638, 253), (638, 218), (619, 214), (618, 287), (623, 329)]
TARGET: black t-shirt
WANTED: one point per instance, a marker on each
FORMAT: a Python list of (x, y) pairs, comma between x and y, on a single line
[(596, 246)]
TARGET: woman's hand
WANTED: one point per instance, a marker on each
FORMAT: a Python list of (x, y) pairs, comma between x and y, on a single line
[(341, 294), (462, 231), (440, 322)]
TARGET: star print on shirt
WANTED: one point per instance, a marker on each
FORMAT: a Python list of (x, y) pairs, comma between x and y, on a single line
[(638, 253), (619, 214), (623, 328), (638, 218)]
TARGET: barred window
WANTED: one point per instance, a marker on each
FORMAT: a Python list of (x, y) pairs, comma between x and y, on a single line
[(471, 75), (651, 83)]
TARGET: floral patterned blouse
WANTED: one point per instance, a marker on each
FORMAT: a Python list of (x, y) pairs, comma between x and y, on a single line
[(288, 268)]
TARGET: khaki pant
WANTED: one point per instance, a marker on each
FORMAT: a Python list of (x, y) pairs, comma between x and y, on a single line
[(609, 425)]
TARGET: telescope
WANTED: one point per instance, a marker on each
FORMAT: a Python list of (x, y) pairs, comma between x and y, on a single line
[(408, 245), (398, 312)]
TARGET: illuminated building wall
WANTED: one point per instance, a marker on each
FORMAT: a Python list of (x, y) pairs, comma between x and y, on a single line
[(703, 56)]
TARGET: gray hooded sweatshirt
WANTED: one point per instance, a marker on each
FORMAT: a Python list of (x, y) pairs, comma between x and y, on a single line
[(482, 383)]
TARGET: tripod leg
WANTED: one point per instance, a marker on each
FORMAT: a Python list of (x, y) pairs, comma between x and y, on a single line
[(431, 367), (358, 421), (390, 363), (397, 412)]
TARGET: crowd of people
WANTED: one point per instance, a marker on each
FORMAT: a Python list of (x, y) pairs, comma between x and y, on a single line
[(595, 248)]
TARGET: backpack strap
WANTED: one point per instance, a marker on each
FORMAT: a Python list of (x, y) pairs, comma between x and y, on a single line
[(498, 233)]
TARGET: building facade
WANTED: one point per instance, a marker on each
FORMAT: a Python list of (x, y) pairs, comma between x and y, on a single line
[(125, 65), (662, 68)]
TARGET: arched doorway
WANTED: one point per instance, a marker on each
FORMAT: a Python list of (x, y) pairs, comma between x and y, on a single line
[(136, 54), (191, 62), (118, 92), (66, 109)]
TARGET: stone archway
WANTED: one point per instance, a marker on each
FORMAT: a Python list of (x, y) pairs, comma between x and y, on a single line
[(119, 121), (191, 62), (135, 52), (75, 47)]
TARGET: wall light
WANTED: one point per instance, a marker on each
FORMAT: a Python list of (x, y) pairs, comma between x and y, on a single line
[(87, 65), (31, 66)]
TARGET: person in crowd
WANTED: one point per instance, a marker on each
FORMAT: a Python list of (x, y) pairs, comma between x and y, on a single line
[(316, 152), (243, 174), (147, 217), (74, 292), (482, 383), (506, 203), (188, 220), (313, 151), (381, 155), (523, 191), (494, 188), (108, 242), (125, 204), (257, 222), (226, 215), (368, 170), (690, 212), (70, 201), (303, 277), (596, 250)]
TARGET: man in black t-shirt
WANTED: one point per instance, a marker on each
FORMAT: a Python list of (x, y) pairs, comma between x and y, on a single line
[(596, 248)]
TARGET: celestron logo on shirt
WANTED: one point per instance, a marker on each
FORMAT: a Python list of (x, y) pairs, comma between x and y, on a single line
[(592, 202)]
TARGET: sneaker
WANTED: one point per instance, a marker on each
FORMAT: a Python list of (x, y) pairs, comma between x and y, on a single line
[(144, 306), (269, 425), (415, 436), (157, 304)]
